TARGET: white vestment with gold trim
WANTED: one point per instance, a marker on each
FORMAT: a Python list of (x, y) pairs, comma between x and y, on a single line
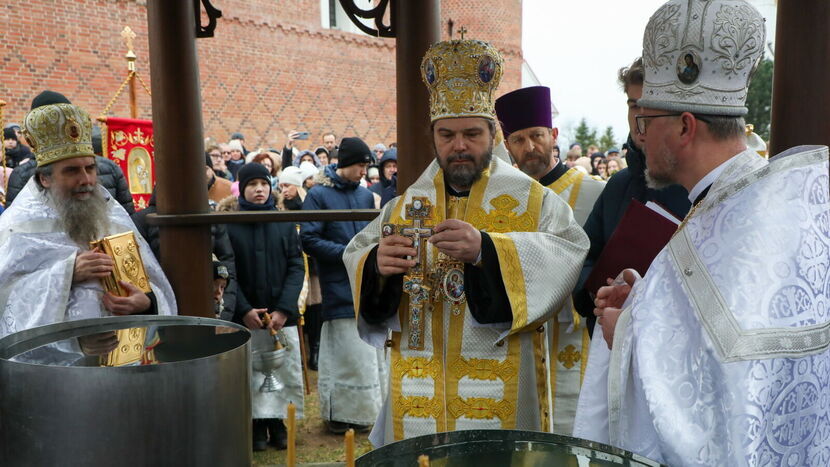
[(568, 338), (469, 375), (722, 353)]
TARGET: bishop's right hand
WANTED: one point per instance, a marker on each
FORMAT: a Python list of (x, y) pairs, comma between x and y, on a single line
[(91, 265), (392, 253)]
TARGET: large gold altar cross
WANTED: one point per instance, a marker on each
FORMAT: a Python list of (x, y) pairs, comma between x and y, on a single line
[(418, 212)]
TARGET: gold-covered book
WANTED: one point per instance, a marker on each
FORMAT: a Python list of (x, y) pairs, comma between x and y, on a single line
[(123, 249)]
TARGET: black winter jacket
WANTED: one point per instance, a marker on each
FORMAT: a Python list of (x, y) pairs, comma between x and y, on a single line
[(269, 267), (109, 176), (326, 241), (15, 156)]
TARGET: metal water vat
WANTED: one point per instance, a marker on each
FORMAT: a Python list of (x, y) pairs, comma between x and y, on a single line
[(190, 406), (479, 448)]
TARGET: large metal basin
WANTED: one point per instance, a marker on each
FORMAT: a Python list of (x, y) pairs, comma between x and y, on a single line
[(191, 407), (503, 448)]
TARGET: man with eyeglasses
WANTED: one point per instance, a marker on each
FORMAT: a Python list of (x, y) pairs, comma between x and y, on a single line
[(720, 355)]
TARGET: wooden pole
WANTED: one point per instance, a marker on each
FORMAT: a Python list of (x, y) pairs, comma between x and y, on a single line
[(417, 26), (800, 94), (179, 153), (133, 104)]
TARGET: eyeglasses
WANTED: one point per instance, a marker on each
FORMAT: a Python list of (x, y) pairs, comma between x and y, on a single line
[(642, 120), (226, 152)]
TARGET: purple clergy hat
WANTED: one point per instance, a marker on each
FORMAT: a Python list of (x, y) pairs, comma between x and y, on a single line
[(524, 108)]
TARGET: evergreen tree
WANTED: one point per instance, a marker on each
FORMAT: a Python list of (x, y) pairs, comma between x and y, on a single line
[(759, 99), (607, 141), (585, 135)]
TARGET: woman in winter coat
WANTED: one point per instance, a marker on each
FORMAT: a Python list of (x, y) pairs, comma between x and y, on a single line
[(270, 273)]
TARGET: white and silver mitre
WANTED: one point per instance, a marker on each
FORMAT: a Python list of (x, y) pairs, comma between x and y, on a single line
[(699, 56)]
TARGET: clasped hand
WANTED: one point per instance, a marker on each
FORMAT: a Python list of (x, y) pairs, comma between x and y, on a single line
[(136, 301), (96, 265), (457, 239), (252, 320), (609, 301), (92, 264)]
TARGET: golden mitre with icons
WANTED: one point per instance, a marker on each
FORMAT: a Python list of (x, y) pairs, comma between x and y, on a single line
[(129, 267), (57, 132), (462, 77)]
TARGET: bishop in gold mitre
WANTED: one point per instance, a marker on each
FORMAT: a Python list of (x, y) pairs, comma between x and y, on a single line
[(465, 269), (48, 273)]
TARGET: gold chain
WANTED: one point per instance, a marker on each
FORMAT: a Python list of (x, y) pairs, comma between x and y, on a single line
[(140, 80), (117, 93), (130, 76), (686, 219)]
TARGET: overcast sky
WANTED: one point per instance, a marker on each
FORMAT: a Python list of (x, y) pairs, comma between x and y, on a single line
[(576, 48)]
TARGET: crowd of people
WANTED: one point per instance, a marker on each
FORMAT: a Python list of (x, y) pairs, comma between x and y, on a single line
[(598, 164), (470, 287), (290, 163)]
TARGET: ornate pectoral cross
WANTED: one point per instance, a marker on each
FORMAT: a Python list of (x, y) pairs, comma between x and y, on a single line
[(415, 281)]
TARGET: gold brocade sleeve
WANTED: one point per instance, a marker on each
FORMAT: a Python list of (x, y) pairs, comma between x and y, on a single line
[(539, 269)]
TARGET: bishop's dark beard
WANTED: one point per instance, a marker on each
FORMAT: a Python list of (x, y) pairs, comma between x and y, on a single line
[(463, 176), (84, 220)]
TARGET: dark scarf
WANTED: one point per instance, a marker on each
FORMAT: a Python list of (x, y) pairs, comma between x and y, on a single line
[(294, 204), (234, 166), (246, 205)]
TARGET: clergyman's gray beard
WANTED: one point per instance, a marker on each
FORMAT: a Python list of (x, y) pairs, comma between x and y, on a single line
[(463, 176), (84, 220)]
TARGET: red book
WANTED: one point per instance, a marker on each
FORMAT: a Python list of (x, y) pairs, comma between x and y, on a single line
[(639, 236)]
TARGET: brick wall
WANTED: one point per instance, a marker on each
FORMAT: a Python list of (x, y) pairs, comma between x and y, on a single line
[(270, 68)]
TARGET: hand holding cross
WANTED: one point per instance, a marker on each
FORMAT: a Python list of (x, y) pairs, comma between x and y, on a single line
[(400, 251)]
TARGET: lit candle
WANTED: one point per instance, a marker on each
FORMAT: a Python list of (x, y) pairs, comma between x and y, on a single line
[(423, 460), (290, 455), (350, 448)]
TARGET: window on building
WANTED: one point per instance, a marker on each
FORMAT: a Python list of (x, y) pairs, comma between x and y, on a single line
[(332, 16)]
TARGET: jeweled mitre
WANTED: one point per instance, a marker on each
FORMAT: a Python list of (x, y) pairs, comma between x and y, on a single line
[(57, 132), (699, 56), (462, 77)]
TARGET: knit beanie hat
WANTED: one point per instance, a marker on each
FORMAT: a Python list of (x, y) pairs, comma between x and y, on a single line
[(308, 169), (250, 172), (9, 133), (353, 151), (292, 176)]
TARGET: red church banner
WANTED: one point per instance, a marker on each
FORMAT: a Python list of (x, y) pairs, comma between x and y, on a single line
[(129, 143)]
